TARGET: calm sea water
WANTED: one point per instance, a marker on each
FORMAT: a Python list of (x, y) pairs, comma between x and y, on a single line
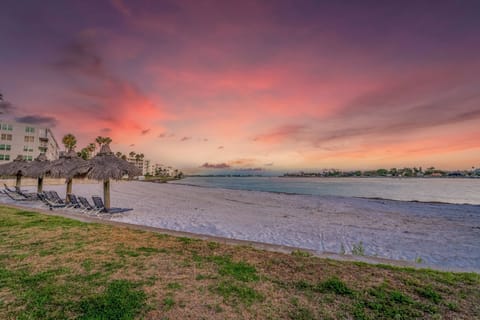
[(437, 189)]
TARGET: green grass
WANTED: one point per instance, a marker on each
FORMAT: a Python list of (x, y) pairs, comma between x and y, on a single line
[(174, 286), (301, 253), (168, 303), (120, 300), (241, 270), (234, 293), (57, 268), (358, 249), (430, 294), (334, 285)]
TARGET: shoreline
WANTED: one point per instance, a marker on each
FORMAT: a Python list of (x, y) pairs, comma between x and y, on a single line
[(336, 196), (324, 195)]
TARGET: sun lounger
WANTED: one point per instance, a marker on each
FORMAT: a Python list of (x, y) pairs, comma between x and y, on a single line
[(73, 202), (15, 189), (29, 196), (98, 202), (55, 197), (8, 189), (51, 204), (88, 207), (19, 195), (16, 196), (99, 205)]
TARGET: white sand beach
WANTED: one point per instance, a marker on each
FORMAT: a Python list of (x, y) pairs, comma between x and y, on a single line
[(446, 236)]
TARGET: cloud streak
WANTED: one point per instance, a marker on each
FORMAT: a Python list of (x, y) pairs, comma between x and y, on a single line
[(207, 165), (38, 120)]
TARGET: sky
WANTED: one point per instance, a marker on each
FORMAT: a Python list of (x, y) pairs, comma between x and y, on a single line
[(251, 86)]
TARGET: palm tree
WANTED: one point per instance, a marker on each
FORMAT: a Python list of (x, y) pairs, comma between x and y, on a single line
[(102, 140), (69, 141), (132, 154), (91, 149), (118, 154), (84, 154), (99, 140)]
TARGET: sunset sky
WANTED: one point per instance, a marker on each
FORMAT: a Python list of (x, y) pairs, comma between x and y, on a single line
[(251, 85)]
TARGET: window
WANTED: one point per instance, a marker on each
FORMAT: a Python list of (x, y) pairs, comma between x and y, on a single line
[(30, 129), (7, 157), (6, 136), (8, 147), (2, 157), (29, 158), (2, 147), (10, 128), (4, 126), (29, 139)]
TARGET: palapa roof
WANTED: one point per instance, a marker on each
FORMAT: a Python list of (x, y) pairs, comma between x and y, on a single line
[(67, 166), (37, 167), (105, 165), (16, 167)]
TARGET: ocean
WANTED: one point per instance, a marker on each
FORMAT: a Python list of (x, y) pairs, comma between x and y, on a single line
[(448, 190)]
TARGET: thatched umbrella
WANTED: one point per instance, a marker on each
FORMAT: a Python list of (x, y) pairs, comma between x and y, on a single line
[(105, 166), (67, 166), (37, 169), (15, 168)]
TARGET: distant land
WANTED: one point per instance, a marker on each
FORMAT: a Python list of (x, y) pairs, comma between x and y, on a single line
[(393, 172), (414, 172)]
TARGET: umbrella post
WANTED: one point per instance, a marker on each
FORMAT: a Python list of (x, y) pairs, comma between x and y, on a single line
[(19, 181), (40, 185), (106, 193), (69, 189)]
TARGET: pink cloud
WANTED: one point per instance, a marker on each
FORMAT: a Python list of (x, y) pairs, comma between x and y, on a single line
[(94, 89), (215, 166)]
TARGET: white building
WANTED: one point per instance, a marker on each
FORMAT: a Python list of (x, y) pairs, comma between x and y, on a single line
[(142, 164), (26, 140)]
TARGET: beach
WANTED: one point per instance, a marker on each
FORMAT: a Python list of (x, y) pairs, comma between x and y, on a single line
[(444, 236)]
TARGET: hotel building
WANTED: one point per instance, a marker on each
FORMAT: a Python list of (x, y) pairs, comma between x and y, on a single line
[(26, 140), (142, 164)]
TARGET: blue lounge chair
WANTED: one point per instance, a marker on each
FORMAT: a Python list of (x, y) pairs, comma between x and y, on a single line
[(73, 202), (16, 196), (99, 205), (87, 206), (51, 204), (98, 202), (55, 197)]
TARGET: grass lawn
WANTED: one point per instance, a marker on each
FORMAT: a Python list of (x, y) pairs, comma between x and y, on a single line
[(57, 268)]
